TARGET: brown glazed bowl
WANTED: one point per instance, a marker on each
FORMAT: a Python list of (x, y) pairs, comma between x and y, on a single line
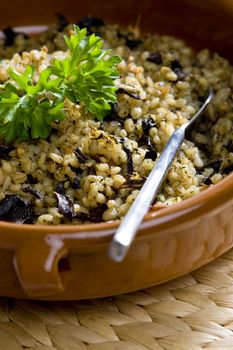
[(71, 262)]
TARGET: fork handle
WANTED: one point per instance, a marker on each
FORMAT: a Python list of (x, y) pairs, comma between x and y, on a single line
[(128, 228)]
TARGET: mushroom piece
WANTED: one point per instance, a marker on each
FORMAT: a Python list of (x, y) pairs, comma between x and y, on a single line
[(15, 209)]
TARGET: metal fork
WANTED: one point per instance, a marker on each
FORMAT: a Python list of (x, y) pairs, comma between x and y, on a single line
[(127, 230)]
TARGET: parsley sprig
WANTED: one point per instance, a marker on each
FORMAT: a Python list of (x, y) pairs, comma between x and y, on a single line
[(85, 76)]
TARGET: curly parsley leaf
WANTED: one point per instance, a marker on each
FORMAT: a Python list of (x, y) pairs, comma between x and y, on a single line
[(27, 108), (29, 105), (88, 73)]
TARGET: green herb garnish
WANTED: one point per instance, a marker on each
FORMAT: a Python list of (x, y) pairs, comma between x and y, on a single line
[(85, 76)]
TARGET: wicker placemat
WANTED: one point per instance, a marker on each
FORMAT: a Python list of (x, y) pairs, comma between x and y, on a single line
[(190, 313)]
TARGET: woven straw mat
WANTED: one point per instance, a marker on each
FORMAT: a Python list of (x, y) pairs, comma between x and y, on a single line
[(190, 313)]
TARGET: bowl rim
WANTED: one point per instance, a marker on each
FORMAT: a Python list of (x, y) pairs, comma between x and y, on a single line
[(196, 207)]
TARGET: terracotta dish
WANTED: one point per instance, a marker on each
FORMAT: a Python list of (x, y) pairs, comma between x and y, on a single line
[(71, 262)]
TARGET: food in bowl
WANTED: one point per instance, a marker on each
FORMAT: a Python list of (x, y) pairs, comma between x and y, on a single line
[(90, 170)]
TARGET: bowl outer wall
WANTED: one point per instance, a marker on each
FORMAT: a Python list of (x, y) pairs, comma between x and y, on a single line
[(171, 242), (162, 251)]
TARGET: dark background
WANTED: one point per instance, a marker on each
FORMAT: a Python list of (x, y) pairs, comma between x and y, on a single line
[(204, 23)]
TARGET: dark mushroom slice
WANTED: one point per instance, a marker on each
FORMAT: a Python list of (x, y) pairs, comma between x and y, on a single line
[(15, 209), (207, 181), (60, 188), (175, 64), (151, 152), (155, 57), (132, 43), (5, 152), (181, 75), (10, 35), (62, 21), (32, 191), (95, 214), (133, 183), (129, 164), (229, 145), (228, 169), (113, 109), (113, 115), (215, 165), (81, 156), (31, 180), (77, 171), (128, 93), (90, 23), (130, 40), (178, 69), (147, 124), (82, 216), (76, 183), (65, 205)]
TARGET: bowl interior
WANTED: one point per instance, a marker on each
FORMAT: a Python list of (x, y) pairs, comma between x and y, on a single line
[(201, 24)]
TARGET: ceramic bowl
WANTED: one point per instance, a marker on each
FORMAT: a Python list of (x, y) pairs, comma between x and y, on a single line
[(71, 262)]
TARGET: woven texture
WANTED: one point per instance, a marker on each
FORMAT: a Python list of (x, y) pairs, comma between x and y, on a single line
[(193, 312)]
